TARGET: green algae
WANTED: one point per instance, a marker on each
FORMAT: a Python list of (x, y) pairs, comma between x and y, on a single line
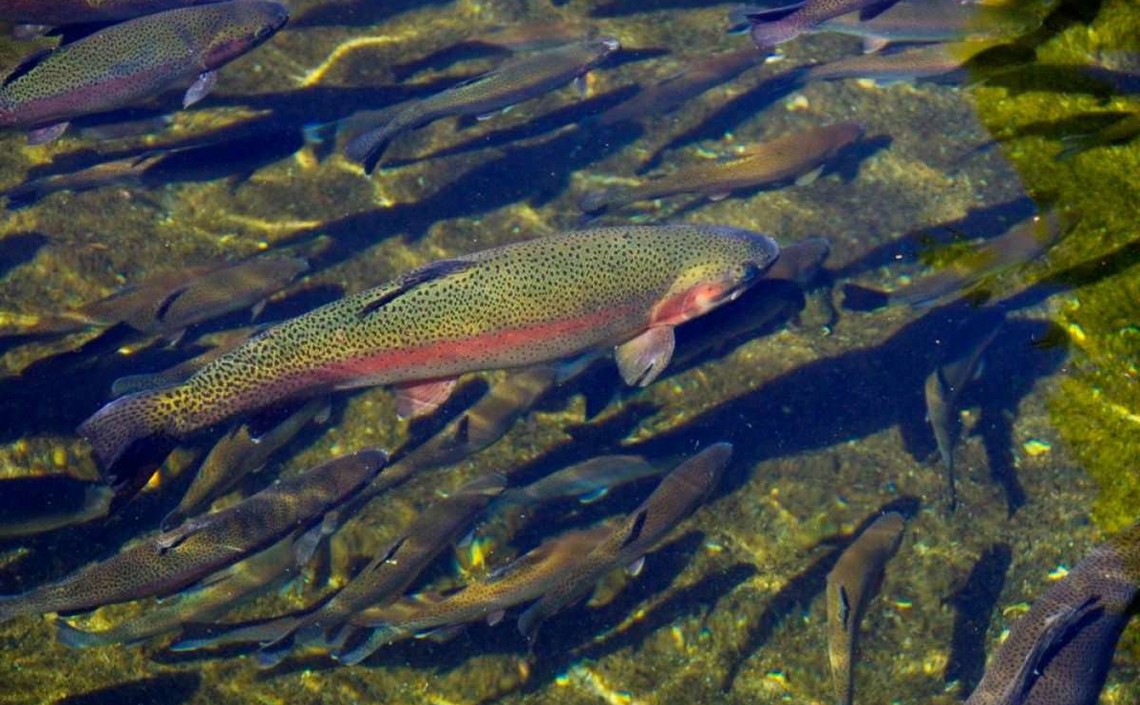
[(1097, 407)]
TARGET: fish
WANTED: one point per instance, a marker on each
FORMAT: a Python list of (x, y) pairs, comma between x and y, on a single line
[(960, 364), (677, 496), (390, 573), (1021, 244), (517, 305), (929, 62), (136, 59), (781, 159), (768, 35), (524, 579), (179, 558), (122, 172), (678, 88), (36, 505), (66, 12), (1060, 651), (518, 79), (236, 455), (167, 305), (851, 584), (224, 591), (589, 480)]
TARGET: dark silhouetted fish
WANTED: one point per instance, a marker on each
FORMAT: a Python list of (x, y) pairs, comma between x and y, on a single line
[(1059, 653), (121, 172), (236, 455), (518, 79), (784, 158), (137, 59), (526, 303), (168, 304), (34, 505), (221, 593), (960, 364), (200, 547), (850, 586), (807, 17), (589, 480), (677, 496), (520, 581), (684, 85)]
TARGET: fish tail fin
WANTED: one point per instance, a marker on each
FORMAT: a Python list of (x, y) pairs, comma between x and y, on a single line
[(595, 201), (76, 638), (120, 423), (367, 147)]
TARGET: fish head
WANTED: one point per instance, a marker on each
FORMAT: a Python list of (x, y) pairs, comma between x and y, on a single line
[(247, 25), (734, 260)]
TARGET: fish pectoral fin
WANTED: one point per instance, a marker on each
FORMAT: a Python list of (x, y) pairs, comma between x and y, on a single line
[(200, 88), (43, 135), (306, 545), (873, 45), (642, 359), (810, 177), (175, 537), (634, 569), (420, 398), (719, 196)]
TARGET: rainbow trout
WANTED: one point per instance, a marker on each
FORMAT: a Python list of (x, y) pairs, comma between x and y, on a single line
[(137, 59), (850, 586), (1060, 651), (516, 80), (787, 157), (513, 306), (176, 559)]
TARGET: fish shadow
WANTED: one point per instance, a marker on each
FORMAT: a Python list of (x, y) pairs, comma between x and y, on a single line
[(361, 13), (621, 8), (19, 249), (974, 603), (165, 689)]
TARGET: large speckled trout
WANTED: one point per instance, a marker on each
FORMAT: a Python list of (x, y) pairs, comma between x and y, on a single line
[(521, 304), (133, 60)]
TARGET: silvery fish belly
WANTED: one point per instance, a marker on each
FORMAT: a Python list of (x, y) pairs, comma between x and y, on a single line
[(536, 301)]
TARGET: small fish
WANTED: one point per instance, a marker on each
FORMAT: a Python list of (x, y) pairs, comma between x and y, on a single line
[(200, 547), (959, 366), (850, 586), (35, 505), (935, 21), (137, 59), (936, 61), (524, 579), (677, 496), (531, 302), (589, 480), (118, 172), (768, 35), (236, 455), (684, 85), (169, 304), (221, 593), (392, 571), (1060, 651), (64, 12), (782, 159), (517, 80)]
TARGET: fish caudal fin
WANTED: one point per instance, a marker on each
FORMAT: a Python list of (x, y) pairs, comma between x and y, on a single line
[(116, 426)]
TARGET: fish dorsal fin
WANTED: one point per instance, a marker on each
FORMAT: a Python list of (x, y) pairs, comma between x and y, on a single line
[(26, 64), (430, 272), (635, 528), (844, 608), (168, 303)]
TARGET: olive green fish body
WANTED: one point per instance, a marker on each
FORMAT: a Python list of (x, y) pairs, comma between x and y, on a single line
[(178, 558), (517, 80), (518, 582), (677, 496), (850, 586), (781, 159), (518, 305), (133, 60), (1059, 652)]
